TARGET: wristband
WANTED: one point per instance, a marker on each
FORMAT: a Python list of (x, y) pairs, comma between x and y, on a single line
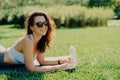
[(59, 62)]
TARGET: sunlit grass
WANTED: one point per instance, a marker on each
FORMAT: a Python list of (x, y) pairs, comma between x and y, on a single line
[(98, 50)]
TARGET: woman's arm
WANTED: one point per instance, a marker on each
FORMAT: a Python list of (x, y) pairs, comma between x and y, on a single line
[(29, 63), (48, 62), (52, 68)]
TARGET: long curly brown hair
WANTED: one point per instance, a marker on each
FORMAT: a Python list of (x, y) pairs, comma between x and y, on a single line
[(45, 40)]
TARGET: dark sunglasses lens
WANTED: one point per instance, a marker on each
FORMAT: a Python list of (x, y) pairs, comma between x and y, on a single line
[(46, 23), (39, 24)]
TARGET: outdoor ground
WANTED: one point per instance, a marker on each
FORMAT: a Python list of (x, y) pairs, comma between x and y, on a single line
[(98, 49)]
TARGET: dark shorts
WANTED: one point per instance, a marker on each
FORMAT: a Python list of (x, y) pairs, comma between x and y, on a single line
[(2, 58)]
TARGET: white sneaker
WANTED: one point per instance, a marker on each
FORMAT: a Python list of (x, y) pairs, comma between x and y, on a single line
[(73, 55)]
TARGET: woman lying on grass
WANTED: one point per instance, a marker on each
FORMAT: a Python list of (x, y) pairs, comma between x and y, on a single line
[(33, 46)]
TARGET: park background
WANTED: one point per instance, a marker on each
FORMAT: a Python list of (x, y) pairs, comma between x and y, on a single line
[(82, 23), (64, 12)]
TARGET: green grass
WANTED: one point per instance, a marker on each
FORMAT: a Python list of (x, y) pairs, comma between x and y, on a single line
[(98, 50)]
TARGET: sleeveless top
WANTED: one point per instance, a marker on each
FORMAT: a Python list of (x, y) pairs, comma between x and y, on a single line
[(17, 56)]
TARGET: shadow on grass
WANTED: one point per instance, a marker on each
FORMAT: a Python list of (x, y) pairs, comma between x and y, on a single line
[(29, 75), (71, 70), (25, 76), (6, 37), (76, 27), (71, 27), (19, 72), (17, 26)]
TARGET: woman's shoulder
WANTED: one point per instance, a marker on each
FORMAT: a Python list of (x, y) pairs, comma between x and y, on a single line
[(27, 40), (27, 44)]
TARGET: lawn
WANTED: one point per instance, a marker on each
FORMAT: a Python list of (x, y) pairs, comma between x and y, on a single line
[(98, 49)]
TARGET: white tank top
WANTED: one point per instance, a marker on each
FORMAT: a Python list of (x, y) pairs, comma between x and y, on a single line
[(17, 56)]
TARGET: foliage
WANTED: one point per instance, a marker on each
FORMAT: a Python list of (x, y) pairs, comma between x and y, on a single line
[(63, 15), (116, 8), (100, 3), (97, 49), (114, 4), (10, 4)]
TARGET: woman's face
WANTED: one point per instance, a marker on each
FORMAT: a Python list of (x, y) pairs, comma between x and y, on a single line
[(40, 25)]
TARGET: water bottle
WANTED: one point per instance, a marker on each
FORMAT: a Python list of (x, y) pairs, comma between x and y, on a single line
[(73, 55), (72, 50)]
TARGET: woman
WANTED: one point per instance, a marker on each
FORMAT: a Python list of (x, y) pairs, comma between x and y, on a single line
[(33, 46)]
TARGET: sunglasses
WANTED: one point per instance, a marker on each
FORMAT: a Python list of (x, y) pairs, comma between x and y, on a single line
[(40, 24)]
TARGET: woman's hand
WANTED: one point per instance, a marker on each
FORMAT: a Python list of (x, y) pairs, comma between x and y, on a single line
[(67, 60), (71, 61), (64, 66)]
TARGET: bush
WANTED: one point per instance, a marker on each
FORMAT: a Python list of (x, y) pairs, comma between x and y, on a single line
[(3, 17), (117, 10), (80, 16), (100, 3), (63, 15)]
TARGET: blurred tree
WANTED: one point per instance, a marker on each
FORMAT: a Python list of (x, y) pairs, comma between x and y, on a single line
[(99, 3), (116, 7), (73, 2), (9, 4)]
